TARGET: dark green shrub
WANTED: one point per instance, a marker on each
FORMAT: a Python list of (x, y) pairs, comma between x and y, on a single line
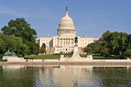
[(1, 55), (127, 53)]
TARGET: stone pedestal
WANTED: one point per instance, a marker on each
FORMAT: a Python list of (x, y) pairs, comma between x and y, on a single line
[(89, 57), (7, 57), (76, 52), (61, 56)]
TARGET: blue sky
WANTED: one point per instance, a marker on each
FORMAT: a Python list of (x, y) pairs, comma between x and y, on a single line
[(91, 17)]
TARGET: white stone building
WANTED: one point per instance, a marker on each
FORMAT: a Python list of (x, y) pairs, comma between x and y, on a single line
[(64, 40)]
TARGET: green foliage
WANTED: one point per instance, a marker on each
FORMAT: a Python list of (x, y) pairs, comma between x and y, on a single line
[(19, 37), (20, 27), (117, 42), (88, 50), (14, 44), (93, 48), (127, 53), (105, 36), (1, 55), (43, 48), (128, 41), (105, 51), (111, 44)]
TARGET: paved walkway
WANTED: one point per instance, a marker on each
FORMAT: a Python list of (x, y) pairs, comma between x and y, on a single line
[(121, 63)]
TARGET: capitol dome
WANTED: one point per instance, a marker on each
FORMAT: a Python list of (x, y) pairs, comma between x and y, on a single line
[(66, 25)]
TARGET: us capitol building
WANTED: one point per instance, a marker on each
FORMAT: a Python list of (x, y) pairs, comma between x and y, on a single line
[(64, 40)]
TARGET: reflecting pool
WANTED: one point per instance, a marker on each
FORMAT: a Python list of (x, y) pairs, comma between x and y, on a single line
[(64, 76)]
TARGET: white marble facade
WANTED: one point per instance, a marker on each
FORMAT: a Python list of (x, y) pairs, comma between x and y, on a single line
[(64, 40)]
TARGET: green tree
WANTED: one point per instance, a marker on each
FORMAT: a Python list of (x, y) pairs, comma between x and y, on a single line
[(127, 53), (43, 48), (105, 36), (111, 44), (20, 28), (105, 51), (14, 44), (117, 43), (88, 50), (129, 41)]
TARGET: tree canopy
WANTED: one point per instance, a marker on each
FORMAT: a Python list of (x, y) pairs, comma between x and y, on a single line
[(43, 48), (19, 37), (20, 28), (111, 44)]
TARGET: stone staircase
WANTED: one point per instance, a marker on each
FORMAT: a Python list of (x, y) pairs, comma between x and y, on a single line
[(81, 51), (50, 50)]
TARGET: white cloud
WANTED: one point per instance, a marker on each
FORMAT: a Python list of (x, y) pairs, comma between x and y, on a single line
[(12, 12)]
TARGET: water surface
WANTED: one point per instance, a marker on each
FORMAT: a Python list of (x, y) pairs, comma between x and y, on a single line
[(64, 76)]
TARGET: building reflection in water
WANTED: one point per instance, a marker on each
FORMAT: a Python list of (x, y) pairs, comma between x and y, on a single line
[(67, 76)]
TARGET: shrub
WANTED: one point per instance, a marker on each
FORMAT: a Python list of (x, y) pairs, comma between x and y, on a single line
[(127, 53), (1, 55)]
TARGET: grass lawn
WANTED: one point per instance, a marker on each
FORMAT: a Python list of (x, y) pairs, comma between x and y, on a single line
[(103, 57), (95, 57), (67, 55), (99, 57), (49, 56), (43, 57)]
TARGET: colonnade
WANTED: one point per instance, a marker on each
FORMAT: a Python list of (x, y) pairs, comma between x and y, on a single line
[(66, 42)]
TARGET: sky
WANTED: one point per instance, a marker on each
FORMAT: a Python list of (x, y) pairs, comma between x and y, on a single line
[(91, 17)]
